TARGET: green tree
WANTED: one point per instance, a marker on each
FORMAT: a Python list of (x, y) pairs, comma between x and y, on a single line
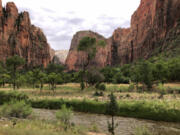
[(120, 78), (14, 63), (53, 79), (174, 69), (21, 80), (108, 73), (145, 70), (4, 77), (93, 76), (89, 46), (54, 68), (160, 71), (112, 109), (30, 79), (42, 77), (135, 75)]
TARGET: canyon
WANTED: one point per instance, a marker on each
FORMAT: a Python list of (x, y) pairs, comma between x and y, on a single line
[(155, 27)]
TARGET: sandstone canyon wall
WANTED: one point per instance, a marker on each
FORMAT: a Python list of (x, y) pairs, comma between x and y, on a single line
[(19, 37), (153, 24), (75, 58)]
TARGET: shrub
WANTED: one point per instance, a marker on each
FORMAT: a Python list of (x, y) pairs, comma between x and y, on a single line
[(142, 131), (8, 96), (98, 94), (64, 115), (101, 87), (93, 76), (17, 109), (153, 110), (131, 87)]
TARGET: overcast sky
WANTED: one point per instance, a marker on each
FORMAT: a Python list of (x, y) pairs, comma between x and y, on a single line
[(61, 19)]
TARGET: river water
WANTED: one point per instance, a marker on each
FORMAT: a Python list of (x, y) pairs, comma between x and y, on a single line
[(126, 126)]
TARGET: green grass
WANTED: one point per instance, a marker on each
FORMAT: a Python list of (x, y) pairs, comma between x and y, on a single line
[(152, 110), (37, 127)]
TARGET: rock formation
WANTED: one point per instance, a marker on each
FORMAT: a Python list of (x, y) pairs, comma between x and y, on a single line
[(60, 56), (154, 24), (75, 58), (19, 37)]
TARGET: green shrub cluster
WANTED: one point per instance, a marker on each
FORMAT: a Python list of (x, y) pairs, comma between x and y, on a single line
[(64, 115), (77, 105), (8, 96), (18, 109), (100, 86)]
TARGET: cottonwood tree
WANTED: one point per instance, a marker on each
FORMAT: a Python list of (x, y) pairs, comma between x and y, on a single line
[(42, 77), (89, 46), (13, 64), (53, 79)]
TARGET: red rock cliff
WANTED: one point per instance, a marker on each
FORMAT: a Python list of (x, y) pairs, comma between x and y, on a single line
[(153, 24), (19, 37), (75, 58)]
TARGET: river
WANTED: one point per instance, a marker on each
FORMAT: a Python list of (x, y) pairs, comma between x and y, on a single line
[(126, 126)]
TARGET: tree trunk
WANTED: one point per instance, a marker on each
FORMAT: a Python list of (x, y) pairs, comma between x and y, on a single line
[(113, 125)]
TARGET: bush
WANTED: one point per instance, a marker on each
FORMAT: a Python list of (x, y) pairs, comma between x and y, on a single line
[(98, 94), (8, 96), (101, 86), (152, 110), (131, 87), (93, 76), (64, 115), (142, 131), (17, 109)]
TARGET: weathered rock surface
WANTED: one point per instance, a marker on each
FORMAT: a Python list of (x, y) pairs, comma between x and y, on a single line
[(19, 37), (153, 24), (75, 58), (60, 56)]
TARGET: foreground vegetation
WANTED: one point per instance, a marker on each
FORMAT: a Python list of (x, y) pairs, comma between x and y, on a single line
[(130, 104), (38, 127)]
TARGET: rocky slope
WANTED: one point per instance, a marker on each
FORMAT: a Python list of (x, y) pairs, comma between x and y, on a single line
[(19, 37), (60, 56), (155, 27)]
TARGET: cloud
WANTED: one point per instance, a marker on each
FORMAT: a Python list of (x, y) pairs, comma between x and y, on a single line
[(61, 19)]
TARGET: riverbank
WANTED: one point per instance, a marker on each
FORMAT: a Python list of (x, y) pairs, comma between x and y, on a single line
[(145, 105)]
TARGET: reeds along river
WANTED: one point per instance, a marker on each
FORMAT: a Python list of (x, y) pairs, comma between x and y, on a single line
[(126, 126)]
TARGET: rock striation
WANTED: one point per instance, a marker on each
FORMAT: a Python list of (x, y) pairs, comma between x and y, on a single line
[(154, 24), (19, 37)]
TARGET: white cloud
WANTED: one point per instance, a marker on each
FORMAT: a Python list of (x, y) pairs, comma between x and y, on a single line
[(61, 19)]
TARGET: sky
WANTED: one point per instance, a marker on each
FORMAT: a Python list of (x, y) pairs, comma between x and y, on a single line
[(61, 19)]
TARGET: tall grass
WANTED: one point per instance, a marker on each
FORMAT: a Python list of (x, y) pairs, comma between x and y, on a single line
[(37, 127), (153, 110)]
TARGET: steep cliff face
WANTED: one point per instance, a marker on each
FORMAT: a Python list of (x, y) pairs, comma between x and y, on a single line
[(19, 37), (153, 25), (75, 58)]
